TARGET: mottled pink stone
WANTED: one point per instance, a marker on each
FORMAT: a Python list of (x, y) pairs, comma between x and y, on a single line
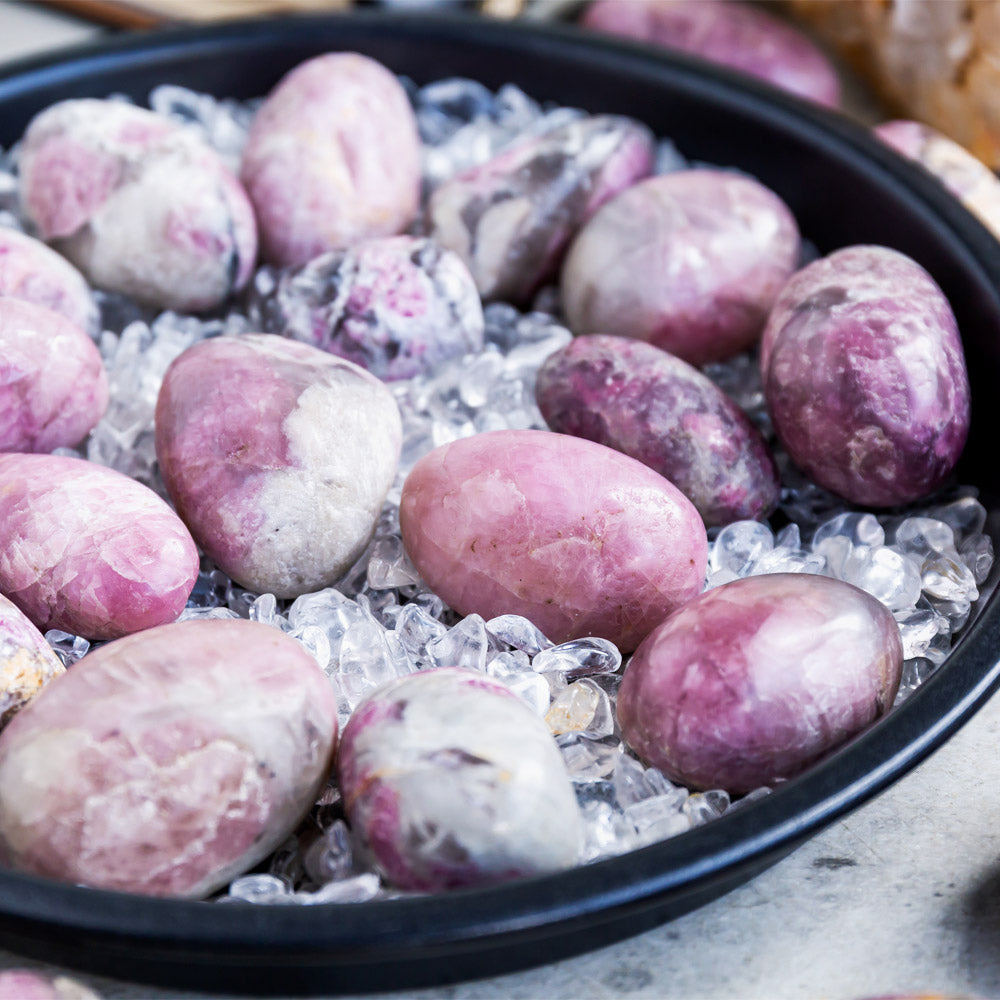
[(24, 984), (646, 403), (580, 539), (278, 456), (690, 261), (32, 271), (53, 387), (333, 157), (168, 762), (865, 377), (88, 550), (27, 662), (512, 218), (452, 780), (141, 205), (755, 680), (738, 35)]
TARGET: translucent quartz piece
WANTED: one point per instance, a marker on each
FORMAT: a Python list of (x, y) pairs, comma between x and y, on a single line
[(966, 516), (738, 545), (977, 553), (606, 832), (357, 889), (706, 806), (331, 856), (918, 628), (924, 535), (582, 706), (465, 645), (518, 632), (509, 664), (69, 648), (579, 658), (948, 579), (857, 528), (389, 565), (888, 575), (416, 628), (259, 889), (658, 817), (532, 688)]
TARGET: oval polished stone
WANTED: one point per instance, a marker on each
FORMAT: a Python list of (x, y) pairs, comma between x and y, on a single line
[(27, 661), (167, 762), (753, 681), (452, 780), (88, 550), (580, 539)]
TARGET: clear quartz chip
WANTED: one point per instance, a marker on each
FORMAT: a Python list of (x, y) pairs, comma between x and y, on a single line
[(518, 632), (579, 658)]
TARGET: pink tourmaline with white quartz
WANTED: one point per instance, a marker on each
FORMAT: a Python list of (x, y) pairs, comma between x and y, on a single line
[(27, 662), (88, 550), (167, 762)]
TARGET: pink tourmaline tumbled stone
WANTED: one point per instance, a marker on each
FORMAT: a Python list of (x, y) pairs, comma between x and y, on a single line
[(88, 550), (27, 662), (751, 682), (167, 762)]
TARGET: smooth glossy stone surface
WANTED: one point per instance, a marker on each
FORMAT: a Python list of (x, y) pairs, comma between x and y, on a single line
[(333, 157), (755, 680), (580, 539), (397, 306), (167, 762), (452, 780), (24, 984), (140, 204), (865, 377), (32, 271), (690, 261), (88, 550), (27, 662), (53, 386), (737, 35), (512, 218), (646, 403), (278, 457)]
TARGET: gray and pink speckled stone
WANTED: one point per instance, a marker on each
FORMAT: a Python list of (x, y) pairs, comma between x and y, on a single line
[(27, 662), (278, 456), (865, 377), (167, 762), (88, 550), (140, 204), (647, 403), (753, 681), (511, 218)]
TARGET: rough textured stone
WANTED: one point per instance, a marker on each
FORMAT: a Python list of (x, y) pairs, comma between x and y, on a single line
[(512, 218), (690, 261), (27, 662), (333, 157), (648, 404), (278, 456), (88, 550), (53, 387), (140, 204), (452, 780), (580, 539), (865, 377), (167, 762), (754, 680), (397, 306)]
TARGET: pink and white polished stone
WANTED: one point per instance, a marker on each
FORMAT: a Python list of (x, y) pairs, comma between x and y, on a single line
[(865, 377), (452, 780), (27, 662), (25, 984), (753, 681), (512, 218), (278, 456), (140, 204), (333, 157), (580, 539), (690, 261), (89, 551), (168, 762), (53, 386), (32, 271)]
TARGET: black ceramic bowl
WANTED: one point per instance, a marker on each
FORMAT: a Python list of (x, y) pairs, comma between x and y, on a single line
[(844, 188)]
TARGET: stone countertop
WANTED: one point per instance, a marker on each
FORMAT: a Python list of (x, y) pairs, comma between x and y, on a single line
[(903, 896)]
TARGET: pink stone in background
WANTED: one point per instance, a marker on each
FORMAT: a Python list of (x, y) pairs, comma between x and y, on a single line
[(278, 456), (451, 780), (648, 404), (865, 377), (511, 218), (690, 261), (333, 157), (140, 204), (580, 539), (27, 662), (755, 680), (32, 271), (168, 762), (88, 550), (738, 35), (53, 387), (24, 984)]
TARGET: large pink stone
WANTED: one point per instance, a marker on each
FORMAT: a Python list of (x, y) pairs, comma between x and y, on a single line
[(53, 387), (580, 539), (88, 550), (333, 157), (167, 762), (27, 662), (755, 680)]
